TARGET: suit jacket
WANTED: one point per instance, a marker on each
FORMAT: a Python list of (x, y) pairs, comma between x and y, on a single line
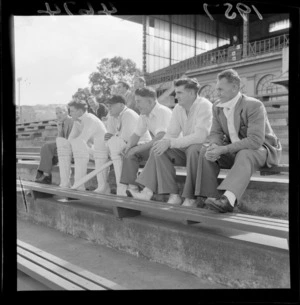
[(253, 128), (65, 128), (102, 111)]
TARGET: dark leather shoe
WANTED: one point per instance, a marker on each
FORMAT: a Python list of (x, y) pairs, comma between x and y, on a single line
[(39, 174), (44, 179), (220, 205)]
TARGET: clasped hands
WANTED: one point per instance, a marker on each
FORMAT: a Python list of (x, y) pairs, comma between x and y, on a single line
[(214, 151)]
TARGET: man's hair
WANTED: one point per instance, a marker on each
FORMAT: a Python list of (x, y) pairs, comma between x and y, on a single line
[(63, 108), (78, 104), (141, 79), (146, 92), (231, 76), (188, 83), (116, 99), (124, 84)]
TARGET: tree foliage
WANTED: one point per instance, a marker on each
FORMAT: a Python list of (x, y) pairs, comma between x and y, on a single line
[(110, 71)]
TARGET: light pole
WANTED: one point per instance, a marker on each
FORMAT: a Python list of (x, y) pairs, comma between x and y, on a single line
[(19, 99)]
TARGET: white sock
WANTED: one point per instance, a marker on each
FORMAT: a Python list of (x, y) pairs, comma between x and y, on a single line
[(147, 191), (133, 187), (231, 197)]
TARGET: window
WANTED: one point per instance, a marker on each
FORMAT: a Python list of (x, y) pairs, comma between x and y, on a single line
[(279, 25), (265, 88)]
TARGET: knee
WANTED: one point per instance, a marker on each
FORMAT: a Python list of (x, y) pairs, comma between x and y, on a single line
[(193, 150)]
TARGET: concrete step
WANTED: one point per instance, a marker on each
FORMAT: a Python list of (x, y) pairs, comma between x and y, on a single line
[(210, 253), (265, 195)]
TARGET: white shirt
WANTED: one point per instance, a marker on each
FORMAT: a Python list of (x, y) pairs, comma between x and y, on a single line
[(87, 127), (157, 121), (228, 109), (195, 126), (125, 124)]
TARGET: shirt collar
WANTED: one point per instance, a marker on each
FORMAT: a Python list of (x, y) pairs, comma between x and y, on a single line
[(122, 112), (154, 110), (230, 104)]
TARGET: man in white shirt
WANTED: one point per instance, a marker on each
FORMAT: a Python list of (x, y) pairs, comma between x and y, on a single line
[(121, 124), (192, 117), (155, 118), (241, 139), (86, 129)]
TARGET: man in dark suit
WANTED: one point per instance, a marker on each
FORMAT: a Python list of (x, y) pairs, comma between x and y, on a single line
[(49, 150), (96, 108), (241, 139)]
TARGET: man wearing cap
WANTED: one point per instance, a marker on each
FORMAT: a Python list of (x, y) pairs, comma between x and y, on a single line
[(188, 129), (87, 130), (49, 150), (121, 124), (155, 118)]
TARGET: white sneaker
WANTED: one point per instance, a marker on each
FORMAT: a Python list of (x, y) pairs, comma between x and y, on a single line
[(174, 199), (188, 202), (144, 194)]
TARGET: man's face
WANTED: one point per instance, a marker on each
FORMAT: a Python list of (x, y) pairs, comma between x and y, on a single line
[(184, 96), (92, 104), (121, 89), (138, 84), (61, 114), (226, 91), (144, 104), (114, 109), (75, 113)]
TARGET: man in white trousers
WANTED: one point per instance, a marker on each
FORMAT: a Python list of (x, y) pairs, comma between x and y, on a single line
[(121, 124), (87, 130)]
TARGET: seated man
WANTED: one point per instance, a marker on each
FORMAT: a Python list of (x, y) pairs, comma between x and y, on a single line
[(49, 150), (98, 109), (87, 128), (123, 89), (250, 143), (155, 118), (121, 124), (192, 117)]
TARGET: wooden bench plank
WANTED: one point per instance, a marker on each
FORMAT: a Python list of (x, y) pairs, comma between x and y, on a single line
[(46, 277), (59, 270), (70, 267), (236, 221)]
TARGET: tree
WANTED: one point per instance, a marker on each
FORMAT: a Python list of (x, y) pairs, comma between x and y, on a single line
[(110, 71)]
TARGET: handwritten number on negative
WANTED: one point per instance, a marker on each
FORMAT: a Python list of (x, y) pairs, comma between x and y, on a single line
[(51, 13)]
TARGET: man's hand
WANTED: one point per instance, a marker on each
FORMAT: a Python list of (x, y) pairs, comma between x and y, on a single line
[(159, 147), (107, 136), (213, 152), (131, 151)]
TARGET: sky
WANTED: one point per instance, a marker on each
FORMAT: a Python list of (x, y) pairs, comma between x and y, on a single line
[(54, 55)]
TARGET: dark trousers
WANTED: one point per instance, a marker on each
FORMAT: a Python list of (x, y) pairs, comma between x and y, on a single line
[(242, 165), (131, 166), (48, 157), (159, 173)]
